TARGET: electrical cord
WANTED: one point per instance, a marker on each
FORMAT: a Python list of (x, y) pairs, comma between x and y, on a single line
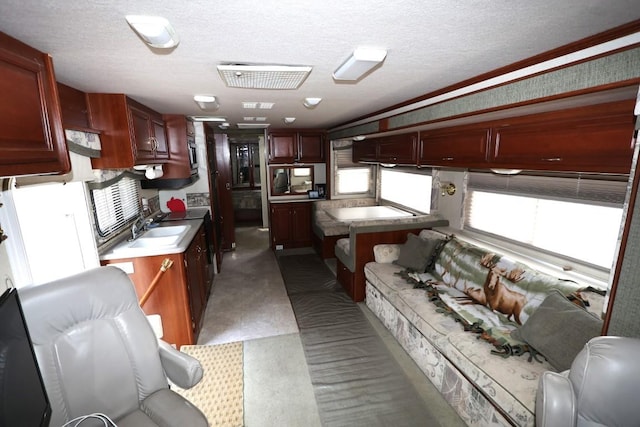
[(106, 421)]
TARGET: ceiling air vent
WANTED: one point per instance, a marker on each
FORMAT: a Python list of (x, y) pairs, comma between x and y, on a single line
[(263, 76)]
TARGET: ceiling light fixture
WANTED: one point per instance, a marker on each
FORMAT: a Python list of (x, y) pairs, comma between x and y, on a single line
[(359, 138), (253, 125), (207, 102), (207, 119), (263, 76), (156, 31), (361, 61), (311, 102), (289, 120)]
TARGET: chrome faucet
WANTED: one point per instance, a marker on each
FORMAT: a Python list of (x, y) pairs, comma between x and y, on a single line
[(139, 227)]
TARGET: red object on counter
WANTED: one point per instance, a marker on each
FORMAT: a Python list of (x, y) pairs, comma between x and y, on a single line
[(176, 205)]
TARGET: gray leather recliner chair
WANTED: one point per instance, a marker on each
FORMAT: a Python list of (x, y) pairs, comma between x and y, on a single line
[(98, 354), (600, 389)]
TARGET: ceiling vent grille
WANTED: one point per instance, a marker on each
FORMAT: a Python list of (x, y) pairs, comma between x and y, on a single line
[(263, 76)]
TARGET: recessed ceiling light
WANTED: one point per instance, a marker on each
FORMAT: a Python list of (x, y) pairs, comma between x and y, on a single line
[(156, 31), (289, 120), (252, 105), (311, 102)]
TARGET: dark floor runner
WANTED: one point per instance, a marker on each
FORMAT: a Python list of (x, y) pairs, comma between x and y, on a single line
[(355, 378)]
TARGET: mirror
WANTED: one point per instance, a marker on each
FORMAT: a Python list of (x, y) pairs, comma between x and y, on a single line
[(291, 180)]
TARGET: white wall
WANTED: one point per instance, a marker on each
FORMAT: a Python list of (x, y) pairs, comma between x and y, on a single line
[(451, 207)]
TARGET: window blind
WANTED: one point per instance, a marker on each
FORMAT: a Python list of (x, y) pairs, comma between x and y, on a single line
[(606, 191), (115, 206)]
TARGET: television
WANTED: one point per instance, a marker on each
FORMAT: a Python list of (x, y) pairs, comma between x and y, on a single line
[(23, 398)]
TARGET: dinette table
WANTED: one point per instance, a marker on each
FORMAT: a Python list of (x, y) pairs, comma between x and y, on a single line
[(361, 213)]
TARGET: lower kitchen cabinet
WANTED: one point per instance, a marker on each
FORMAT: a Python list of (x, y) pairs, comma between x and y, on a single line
[(180, 296), (290, 225)]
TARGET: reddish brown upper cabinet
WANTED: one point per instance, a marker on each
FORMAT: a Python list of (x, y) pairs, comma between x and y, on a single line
[(595, 138), (32, 138), (131, 133), (399, 149), (462, 147), (296, 146), (588, 139), (73, 102), (365, 150), (181, 139)]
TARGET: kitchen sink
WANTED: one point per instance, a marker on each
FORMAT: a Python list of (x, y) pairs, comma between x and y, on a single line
[(154, 238), (170, 231), (147, 242)]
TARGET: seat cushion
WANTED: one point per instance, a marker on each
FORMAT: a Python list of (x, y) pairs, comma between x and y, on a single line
[(164, 408)]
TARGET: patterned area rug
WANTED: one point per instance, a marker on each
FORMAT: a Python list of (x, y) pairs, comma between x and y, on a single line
[(219, 395)]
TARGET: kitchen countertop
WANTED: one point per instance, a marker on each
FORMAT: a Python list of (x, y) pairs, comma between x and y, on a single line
[(179, 247)]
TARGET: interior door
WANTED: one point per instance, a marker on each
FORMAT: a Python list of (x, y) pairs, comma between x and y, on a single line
[(219, 160)]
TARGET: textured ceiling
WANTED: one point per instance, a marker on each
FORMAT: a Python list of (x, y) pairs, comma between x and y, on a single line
[(431, 44)]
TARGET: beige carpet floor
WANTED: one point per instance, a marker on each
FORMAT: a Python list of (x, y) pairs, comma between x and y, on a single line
[(219, 394)]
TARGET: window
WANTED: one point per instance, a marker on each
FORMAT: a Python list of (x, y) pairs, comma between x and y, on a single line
[(409, 188), (115, 206), (351, 179), (576, 218)]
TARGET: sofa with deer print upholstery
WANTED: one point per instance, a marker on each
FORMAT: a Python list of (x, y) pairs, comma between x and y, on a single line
[(482, 327)]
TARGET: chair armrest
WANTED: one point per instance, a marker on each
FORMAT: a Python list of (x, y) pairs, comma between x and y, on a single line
[(555, 401), (182, 369)]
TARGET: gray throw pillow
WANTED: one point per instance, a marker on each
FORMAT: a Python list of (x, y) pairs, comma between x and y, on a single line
[(417, 254), (559, 329)]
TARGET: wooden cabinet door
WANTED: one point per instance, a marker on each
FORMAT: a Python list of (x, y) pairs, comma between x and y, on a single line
[(399, 149), (301, 224), (196, 285), (142, 135), (32, 139), (170, 299), (310, 147), (160, 137), (280, 224), (593, 139), (365, 151), (462, 146), (282, 147)]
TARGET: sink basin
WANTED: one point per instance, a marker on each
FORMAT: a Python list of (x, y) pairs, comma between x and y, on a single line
[(170, 231), (155, 238), (147, 242)]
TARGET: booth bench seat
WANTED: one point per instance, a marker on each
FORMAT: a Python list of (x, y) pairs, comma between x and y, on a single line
[(326, 230), (354, 251)]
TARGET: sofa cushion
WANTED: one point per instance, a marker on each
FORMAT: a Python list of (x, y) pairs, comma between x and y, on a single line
[(386, 253), (419, 254), (416, 253), (559, 329)]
